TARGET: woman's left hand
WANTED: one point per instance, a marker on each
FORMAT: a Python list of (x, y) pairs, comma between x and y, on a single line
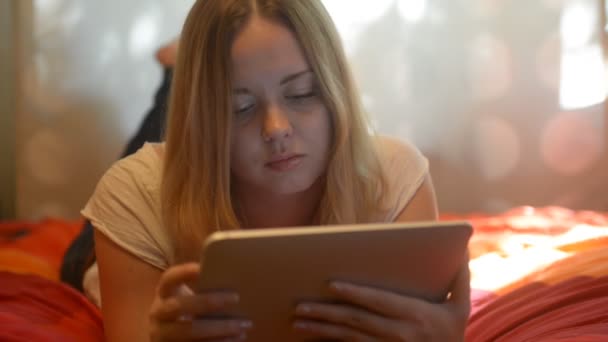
[(377, 315)]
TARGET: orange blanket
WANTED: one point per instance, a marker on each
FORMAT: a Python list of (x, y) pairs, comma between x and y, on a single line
[(36, 247), (33, 308), (573, 310), (537, 274)]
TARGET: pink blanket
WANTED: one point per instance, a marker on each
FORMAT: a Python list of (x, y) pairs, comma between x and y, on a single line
[(33, 308), (537, 275)]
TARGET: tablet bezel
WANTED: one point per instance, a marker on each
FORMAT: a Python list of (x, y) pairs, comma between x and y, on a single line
[(276, 268)]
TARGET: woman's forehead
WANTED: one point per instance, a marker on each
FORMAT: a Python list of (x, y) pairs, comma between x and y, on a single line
[(265, 46)]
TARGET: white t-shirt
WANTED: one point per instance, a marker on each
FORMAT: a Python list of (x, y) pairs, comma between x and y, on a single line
[(125, 206)]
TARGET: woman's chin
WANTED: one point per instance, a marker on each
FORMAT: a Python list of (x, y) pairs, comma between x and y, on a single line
[(291, 187)]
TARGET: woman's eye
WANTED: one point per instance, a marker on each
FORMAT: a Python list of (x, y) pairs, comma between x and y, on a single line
[(302, 96), (244, 109)]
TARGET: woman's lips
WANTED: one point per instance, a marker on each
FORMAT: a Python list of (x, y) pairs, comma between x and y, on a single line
[(285, 164)]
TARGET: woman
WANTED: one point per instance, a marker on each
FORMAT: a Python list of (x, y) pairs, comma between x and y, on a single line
[(265, 129)]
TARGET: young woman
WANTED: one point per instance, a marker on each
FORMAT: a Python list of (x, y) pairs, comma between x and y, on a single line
[(265, 129)]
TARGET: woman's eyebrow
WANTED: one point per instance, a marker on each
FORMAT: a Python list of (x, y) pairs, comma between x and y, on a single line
[(294, 76), (240, 91), (287, 79)]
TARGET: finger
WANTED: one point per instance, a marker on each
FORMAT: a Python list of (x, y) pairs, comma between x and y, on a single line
[(461, 287), (353, 317), (241, 337), (196, 305), (175, 276), (459, 302), (383, 302), (342, 333), (202, 329)]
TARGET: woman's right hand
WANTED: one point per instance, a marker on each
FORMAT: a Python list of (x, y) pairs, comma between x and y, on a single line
[(176, 316)]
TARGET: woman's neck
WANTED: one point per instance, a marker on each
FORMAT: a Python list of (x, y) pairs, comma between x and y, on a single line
[(264, 210)]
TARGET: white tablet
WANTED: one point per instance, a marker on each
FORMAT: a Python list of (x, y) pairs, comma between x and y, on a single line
[(275, 269)]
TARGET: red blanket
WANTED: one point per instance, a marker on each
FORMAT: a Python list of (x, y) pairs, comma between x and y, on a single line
[(573, 310), (537, 274), (33, 308)]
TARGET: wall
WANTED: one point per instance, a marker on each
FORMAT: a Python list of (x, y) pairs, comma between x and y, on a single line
[(505, 97), (8, 82), (88, 81)]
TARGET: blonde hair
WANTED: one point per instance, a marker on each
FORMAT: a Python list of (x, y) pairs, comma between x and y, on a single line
[(196, 191)]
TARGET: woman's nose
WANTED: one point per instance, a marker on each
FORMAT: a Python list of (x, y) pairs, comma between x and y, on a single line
[(276, 125)]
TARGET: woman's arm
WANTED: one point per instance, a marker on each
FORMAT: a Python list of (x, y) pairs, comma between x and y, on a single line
[(423, 207), (128, 286), (141, 303)]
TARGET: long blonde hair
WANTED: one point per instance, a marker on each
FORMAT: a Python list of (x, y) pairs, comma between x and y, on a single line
[(196, 189)]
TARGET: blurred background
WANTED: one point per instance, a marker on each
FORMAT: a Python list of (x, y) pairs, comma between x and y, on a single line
[(505, 98)]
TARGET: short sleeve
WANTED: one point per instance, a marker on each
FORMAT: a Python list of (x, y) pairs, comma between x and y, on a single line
[(405, 168), (125, 207)]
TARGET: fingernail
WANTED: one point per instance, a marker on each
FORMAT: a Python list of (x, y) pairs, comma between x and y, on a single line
[(185, 290), (246, 325), (339, 286), (300, 325), (303, 309), (185, 318), (242, 337), (234, 298)]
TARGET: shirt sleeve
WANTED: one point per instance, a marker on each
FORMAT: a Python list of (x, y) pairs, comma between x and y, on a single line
[(405, 168), (125, 208)]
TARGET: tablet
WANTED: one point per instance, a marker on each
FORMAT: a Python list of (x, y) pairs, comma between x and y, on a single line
[(275, 269)]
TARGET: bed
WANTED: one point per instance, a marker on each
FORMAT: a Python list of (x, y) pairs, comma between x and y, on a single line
[(537, 274)]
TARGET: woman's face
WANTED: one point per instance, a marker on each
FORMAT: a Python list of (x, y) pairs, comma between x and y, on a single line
[(281, 131)]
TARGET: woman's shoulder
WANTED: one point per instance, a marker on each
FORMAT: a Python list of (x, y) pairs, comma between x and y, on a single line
[(404, 168), (143, 167), (125, 205), (132, 182), (396, 150), (149, 157)]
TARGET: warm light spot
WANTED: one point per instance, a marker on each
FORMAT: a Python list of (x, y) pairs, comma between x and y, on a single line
[(486, 8), (47, 7), (571, 143), (583, 72), (583, 78), (144, 34), (412, 10), (496, 205), (492, 68), (493, 271), (72, 17), (352, 17), (554, 4), (548, 61), (579, 23), (517, 255), (498, 147), (47, 156)]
